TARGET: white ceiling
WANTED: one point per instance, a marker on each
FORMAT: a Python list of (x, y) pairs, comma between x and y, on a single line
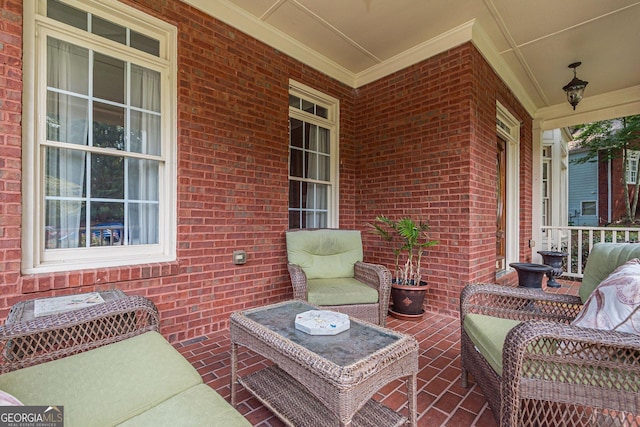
[(529, 43)]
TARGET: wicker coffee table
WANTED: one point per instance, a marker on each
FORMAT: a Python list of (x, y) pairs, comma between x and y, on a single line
[(323, 380)]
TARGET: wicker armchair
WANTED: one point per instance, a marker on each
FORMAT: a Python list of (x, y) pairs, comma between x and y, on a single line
[(327, 269), (550, 372)]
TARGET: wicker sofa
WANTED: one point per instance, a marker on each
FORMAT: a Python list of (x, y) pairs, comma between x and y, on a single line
[(107, 365), (535, 368)]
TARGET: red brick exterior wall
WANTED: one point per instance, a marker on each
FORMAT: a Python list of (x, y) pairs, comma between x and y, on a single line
[(428, 150), (419, 142), (618, 207)]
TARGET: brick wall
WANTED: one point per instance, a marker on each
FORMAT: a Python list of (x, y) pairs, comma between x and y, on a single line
[(427, 139), (419, 141)]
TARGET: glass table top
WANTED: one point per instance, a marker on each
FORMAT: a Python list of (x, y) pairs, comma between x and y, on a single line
[(343, 349)]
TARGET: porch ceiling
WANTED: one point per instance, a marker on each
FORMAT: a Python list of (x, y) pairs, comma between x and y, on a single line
[(529, 43)]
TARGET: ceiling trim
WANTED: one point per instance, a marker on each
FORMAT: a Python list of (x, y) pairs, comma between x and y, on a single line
[(486, 47), (254, 27), (443, 42), (619, 103)]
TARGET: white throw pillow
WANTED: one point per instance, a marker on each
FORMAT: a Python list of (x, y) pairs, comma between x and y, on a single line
[(615, 303), (8, 400)]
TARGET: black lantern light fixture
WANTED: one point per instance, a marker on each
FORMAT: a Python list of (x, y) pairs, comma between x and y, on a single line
[(575, 88)]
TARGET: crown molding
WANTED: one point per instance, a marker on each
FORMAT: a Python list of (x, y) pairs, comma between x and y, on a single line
[(619, 103), (445, 41), (254, 27)]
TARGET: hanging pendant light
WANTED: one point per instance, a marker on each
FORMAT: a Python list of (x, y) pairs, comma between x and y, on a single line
[(575, 88)]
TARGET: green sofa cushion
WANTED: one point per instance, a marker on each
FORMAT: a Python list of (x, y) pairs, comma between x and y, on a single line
[(343, 291), (602, 260), (195, 407), (107, 385), (326, 253), (488, 334)]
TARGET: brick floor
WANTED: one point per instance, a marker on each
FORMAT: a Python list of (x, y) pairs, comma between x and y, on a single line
[(441, 399)]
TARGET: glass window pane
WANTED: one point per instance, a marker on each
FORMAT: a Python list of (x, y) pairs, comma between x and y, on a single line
[(294, 194), (296, 135), (107, 223), (143, 223), (323, 167), (64, 224), (306, 195), (307, 106), (108, 78), (144, 136), (67, 118), (108, 126), (144, 43), (321, 199), (296, 167), (67, 66), (145, 88), (322, 142), (65, 173), (67, 14), (142, 180), (294, 101), (107, 177), (108, 30), (294, 219), (322, 112)]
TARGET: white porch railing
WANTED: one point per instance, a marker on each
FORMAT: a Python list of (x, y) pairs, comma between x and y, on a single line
[(578, 241)]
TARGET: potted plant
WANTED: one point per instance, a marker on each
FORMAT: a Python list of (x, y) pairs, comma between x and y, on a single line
[(407, 288)]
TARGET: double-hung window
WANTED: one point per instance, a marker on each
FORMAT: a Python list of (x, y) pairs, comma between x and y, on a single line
[(99, 136), (632, 166), (313, 158)]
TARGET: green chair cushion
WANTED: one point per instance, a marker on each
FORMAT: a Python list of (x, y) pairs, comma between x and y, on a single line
[(602, 260), (195, 407), (107, 385), (342, 291), (326, 253), (488, 334)]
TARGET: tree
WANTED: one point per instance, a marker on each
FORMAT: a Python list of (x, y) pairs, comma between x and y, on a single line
[(613, 139)]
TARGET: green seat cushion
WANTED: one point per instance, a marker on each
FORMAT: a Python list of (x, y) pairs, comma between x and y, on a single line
[(107, 385), (602, 260), (325, 254), (343, 291), (488, 334), (195, 407)]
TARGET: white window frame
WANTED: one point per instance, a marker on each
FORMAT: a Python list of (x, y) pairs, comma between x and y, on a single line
[(37, 26), (633, 156), (332, 124), (508, 128)]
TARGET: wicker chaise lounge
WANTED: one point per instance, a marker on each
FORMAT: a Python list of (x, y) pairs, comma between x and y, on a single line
[(535, 368)]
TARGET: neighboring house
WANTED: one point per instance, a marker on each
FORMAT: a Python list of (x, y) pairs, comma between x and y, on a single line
[(583, 190), (596, 189)]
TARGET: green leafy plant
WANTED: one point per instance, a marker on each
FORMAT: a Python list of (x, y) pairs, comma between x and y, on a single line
[(411, 239)]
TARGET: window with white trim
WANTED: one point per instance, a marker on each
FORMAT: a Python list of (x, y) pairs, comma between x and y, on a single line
[(102, 157), (313, 158), (588, 208), (632, 166)]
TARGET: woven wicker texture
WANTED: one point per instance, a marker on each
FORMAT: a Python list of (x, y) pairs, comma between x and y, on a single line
[(342, 390), (292, 403), (553, 373), (53, 337), (373, 275)]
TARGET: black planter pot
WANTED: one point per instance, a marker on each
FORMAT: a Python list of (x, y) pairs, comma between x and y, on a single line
[(553, 259), (530, 275), (408, 301)]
